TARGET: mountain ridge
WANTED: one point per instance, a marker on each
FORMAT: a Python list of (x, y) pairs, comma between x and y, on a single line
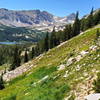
[(33, 18)]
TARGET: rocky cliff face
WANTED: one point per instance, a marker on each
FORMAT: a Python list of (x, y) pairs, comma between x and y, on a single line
[(33, 18)]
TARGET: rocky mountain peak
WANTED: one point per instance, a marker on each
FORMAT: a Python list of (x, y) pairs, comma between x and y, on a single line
[(33, 18), (71, 16)]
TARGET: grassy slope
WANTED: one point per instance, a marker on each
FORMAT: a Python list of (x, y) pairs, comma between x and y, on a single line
[(55, 87)]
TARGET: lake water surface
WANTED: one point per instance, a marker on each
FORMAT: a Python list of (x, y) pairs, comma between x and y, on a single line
[(8, 42)]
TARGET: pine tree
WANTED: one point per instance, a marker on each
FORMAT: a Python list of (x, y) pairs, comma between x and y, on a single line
[(46, 42), (97, 39), (26, 57), (96, 84), (32, 53), (76, 25), (1, 82), (83, 22), (1, 58), (53, 40), (16, 59), (97, 33), (37, 49), (97, 18), (89, 20), (68, 32), (60, 36)]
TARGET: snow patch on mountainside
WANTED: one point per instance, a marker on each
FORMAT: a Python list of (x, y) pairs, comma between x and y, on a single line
[(34, 18)]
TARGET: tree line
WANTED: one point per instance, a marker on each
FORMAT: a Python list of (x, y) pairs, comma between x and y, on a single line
[(55, 38), (52, 39)]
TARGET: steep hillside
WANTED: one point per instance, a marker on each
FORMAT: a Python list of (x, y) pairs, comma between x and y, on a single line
[(66, 71)]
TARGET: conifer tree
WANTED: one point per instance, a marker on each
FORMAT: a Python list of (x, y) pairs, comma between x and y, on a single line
[(60, 36), (32, 52), (26, 57), (1, 58), (97, 18), (96, 84), (46, 42), (53, 40), (89, 20), (68, 32), (16, 59), (76, 25), (37, 50), (97, 34), (1, 82), (83, 22)]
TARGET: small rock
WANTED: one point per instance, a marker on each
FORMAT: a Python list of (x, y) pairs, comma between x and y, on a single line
[(85, 74), (78, 58), (61, 67), (56, 76), (66, 74), (34, 84), (78, 68), (84, 64), (83, 53), (93, 47), (43, 79), (26, 93), (70, 61), (93, 96)]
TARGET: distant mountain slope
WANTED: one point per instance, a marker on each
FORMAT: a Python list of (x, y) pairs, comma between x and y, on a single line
[(59, 74), (19, 34), (33, 18), (29, 25)]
